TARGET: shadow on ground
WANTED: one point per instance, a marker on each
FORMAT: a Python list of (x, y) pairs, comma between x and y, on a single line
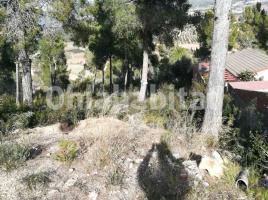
[(162, 176)]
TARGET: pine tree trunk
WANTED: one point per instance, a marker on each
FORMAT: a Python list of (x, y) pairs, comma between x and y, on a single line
[(94, 82), (127, 74), (103, 78), (126, 80), (144, 78), (215, 92), (53, 72), (17, 84), (111, 75), (26, 78)]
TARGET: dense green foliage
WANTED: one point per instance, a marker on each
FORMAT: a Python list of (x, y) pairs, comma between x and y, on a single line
[(248, 31), (22, 25), (6, 59), (158, 18), (53, 61)]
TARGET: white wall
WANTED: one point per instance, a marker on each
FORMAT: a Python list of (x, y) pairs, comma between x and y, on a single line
[(263, 74)]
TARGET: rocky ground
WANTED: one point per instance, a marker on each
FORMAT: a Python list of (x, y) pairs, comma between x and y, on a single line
[(115, 160)]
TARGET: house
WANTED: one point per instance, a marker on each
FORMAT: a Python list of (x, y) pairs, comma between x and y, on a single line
[(253, 91), (253, 60)]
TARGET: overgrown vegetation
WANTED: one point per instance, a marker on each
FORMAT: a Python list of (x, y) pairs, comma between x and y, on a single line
[(248, 31), (118, 36)]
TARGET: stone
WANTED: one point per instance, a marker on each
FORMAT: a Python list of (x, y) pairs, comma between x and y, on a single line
[(264, 181), (191, 168), (154, 155), (70, 183), (93, 195), (177, 155), (199, 177), (95, 172), (71, 169), (214, 165), (217, 157), (138, 161), (53, 194), (130, 165), (206, 184)]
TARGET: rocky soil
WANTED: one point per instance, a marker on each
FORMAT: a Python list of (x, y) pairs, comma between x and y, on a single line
[(116, 160)]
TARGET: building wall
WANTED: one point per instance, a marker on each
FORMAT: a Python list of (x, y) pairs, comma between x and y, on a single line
[(263, 74), (245, 97)]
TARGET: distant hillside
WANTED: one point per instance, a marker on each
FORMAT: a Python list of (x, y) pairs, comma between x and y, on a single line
[(207, 3)]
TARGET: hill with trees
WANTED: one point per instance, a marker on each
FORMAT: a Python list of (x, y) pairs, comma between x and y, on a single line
[(134, 123)]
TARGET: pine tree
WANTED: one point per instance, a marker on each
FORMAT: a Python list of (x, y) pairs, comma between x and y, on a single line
[(213, 114), (22, 28), (158, 18)]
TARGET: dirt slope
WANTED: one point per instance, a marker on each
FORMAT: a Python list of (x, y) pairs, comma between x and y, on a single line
[(116, 160)]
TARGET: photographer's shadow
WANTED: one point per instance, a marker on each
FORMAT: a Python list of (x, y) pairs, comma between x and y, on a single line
[(162, 176)]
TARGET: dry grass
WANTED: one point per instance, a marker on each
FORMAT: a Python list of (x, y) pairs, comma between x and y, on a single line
[(112, 144), (110, 153)]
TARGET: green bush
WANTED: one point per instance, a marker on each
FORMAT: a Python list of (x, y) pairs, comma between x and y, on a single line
[(251, 148), (39, 179), (256, 150), (69, 120), (230, 111), (81, 86), (155, 119), (7, 106), (255, 189), (68, 151), (19, 121), (12, 156), (46, 117)]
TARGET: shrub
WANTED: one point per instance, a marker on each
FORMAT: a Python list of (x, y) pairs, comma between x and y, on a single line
[(46, 117), (251, 148), (231, 172), (12, 156), (81, 85), (255, 189), (256, 150), (69, 120), (155, 119), (7, 106), (230, 111), (19, 121), (39, 179), (113, 105), (68, 151)]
